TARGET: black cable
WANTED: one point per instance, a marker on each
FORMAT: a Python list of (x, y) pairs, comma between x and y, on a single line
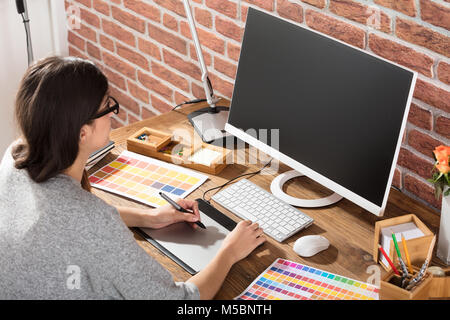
[(240, 176), (26, 32), (188, 102)]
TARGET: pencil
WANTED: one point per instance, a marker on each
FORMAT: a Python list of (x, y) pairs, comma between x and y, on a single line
[(388, 260), (408, 260), (396, 246)]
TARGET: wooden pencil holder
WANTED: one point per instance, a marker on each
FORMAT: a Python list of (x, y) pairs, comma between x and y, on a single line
[(440, 286), (390, 287), (417, 248), (162, 146)]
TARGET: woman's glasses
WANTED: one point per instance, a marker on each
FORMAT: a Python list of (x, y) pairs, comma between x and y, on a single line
[(112, 106)]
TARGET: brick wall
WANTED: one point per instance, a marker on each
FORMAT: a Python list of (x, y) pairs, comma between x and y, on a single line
[(146, 50)]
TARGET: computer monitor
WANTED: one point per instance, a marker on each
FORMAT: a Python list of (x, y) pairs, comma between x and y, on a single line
[(340, 111)]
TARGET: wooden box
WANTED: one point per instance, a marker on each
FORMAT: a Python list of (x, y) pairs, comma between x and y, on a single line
[(154, 140), (417, 248), (440, 286), (390, 288), (214, 158)]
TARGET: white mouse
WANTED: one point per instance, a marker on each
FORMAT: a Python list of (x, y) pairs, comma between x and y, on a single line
[(308, 246)]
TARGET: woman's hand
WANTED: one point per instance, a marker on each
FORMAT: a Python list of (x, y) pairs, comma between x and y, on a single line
[(166, 215), (244, 238)]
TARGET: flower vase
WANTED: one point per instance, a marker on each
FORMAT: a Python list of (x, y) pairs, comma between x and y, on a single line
[(443, 246)]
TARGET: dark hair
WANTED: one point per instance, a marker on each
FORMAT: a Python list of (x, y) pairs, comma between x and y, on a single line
[(56, 97)]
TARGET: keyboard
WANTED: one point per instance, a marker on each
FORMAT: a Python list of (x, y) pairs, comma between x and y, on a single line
[(278, 219)]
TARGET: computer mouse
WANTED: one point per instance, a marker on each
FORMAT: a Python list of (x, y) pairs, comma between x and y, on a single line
[(308, 246)]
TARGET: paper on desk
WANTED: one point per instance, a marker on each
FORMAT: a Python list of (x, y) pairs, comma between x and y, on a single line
[(408, 230)]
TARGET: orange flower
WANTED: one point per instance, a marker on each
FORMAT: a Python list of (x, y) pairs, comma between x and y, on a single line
[(442, 154)]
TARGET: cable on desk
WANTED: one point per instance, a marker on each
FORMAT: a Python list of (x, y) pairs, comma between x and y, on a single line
[(188, 102), (240, 176)]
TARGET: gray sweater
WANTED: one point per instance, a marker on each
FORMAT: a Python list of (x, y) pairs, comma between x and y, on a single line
[(58, 241)]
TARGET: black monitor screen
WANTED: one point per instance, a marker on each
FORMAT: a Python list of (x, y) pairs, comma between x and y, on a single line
[(339, 110)]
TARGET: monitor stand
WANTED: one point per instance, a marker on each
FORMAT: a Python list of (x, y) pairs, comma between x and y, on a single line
[(277, 190)]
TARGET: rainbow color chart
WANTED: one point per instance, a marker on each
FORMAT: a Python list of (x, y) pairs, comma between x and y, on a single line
[(141, 178), (287, 280)]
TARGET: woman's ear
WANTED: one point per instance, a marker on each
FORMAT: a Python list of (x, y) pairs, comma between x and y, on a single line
[(84, 134)]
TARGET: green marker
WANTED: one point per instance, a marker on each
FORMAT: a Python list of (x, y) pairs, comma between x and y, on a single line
[(396, 246)]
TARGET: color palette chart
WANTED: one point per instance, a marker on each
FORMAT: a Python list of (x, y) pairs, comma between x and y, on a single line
[(287, 280), (141, 178)]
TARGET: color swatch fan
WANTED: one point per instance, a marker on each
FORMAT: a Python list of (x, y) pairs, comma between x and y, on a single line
[(141, 178), (287, 280)]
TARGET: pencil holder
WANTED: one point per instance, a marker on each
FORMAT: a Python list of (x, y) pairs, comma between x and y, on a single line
[(440, 286), (390, 287)]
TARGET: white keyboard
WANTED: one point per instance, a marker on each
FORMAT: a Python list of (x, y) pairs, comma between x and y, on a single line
[(248, 201)]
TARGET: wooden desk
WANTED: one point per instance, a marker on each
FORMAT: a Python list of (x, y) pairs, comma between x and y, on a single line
[(349, 228)]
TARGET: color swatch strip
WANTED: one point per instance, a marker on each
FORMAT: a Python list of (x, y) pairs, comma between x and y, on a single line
[(141, 178), (287, 280)]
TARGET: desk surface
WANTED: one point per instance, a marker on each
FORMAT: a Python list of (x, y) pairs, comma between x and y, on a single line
[(349, 228)]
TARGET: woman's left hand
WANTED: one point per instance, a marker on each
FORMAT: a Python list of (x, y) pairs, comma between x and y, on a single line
[(167, 214)]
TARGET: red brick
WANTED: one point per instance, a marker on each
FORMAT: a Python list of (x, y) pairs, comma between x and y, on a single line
[(206, 55), (160, 105), (401, 54), (144, 9), (76, 41), (76, 53), (265, 4), (221, 85), (90, 18), (102, 7), (179, 98), (227, 8), (173, 5), (118, 32), (115, 123), (119, 65), (317, 3), (408, 7), (443, 126), (115, 78), (170, 22), (361, 13), (124, 100), (155, 85), (423, 36), (87, 3), (197, 91), (169, 76), (397, 179), (336, 28), (423, 142), (421, 189), (417, 164), (149, 48), (138, 92), (234, 51), (225, 67), (182, 65), (435, 13), (167, 38), (432, 95), (87, 32), (207, 39), (132, 56), (443, 72), (128, 19), (204, 17), (228, 28), (106, 43), (147, 113), (132, 119), (420, 117), (289, 10), (93, 51)]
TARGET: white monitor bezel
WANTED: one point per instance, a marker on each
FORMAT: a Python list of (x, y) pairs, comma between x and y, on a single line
[(328, 183)]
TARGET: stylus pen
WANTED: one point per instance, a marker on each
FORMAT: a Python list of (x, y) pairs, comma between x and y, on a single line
[(180, 208)]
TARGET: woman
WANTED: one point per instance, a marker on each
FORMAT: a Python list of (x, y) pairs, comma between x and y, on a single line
[(58, 240)]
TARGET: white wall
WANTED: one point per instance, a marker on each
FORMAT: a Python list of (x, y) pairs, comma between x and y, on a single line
[(49, 36)]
